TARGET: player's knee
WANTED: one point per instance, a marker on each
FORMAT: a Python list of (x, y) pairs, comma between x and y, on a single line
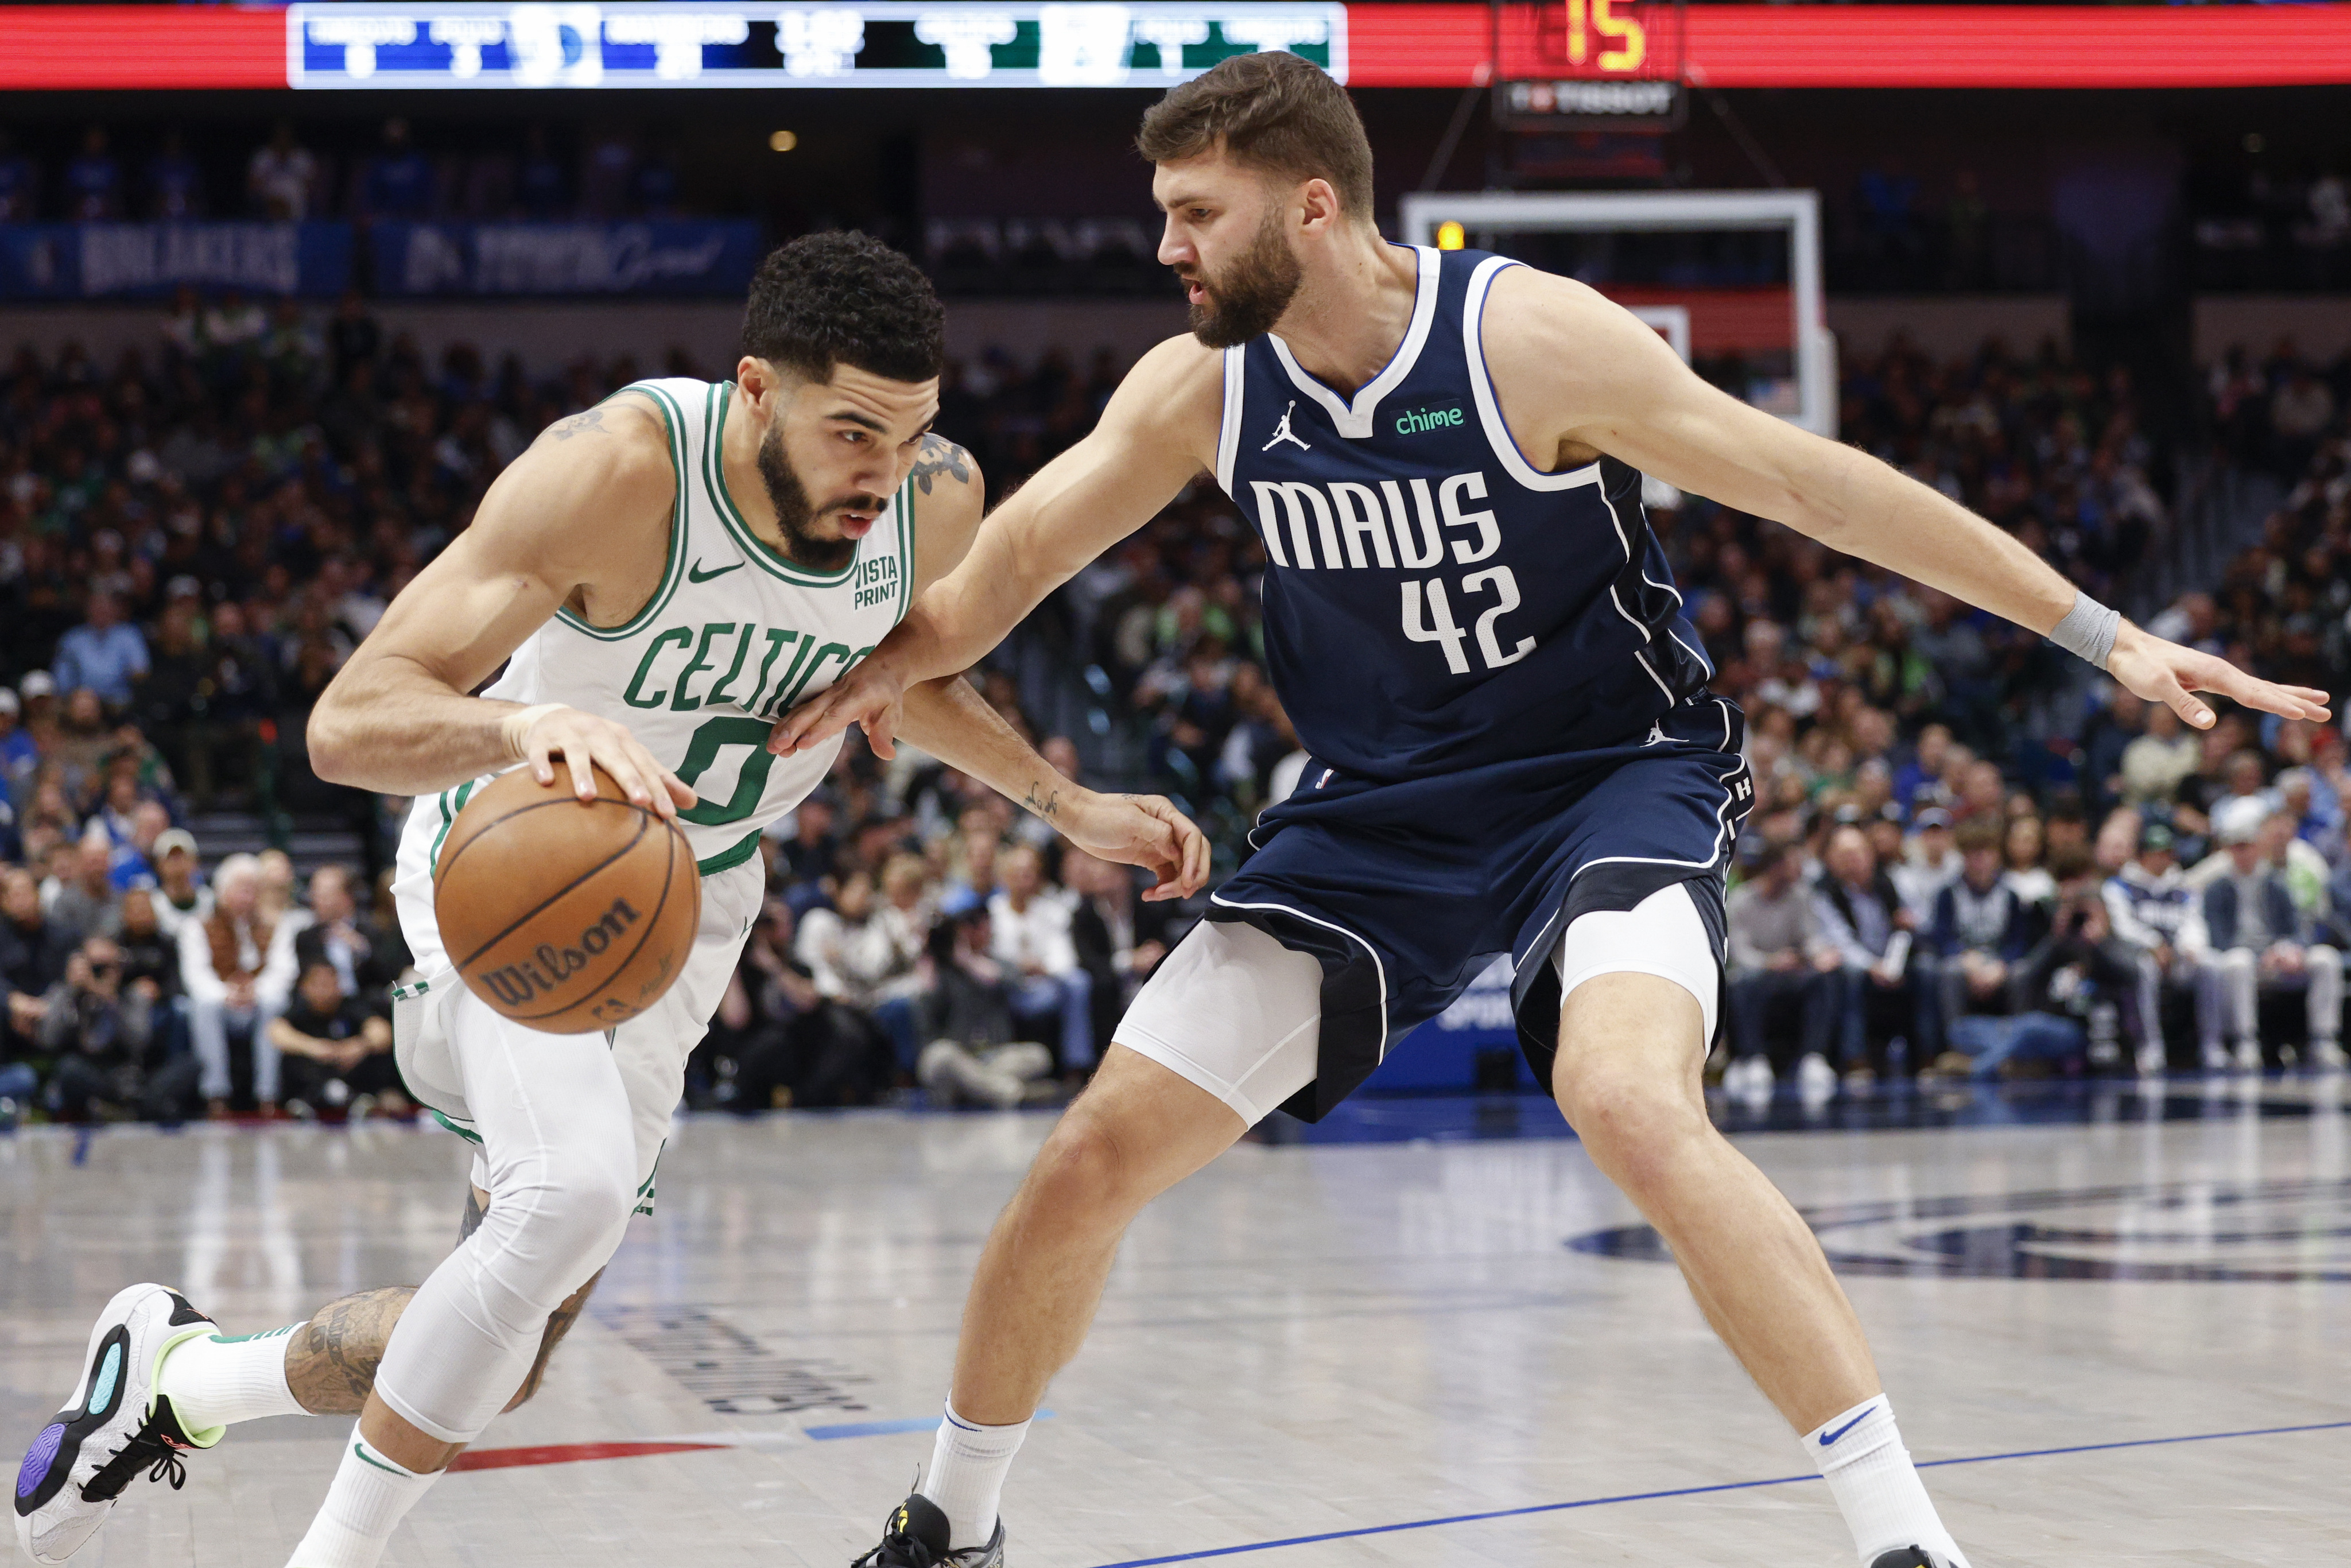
[(554, 1220), (1632, 1123), (1085, 1170)]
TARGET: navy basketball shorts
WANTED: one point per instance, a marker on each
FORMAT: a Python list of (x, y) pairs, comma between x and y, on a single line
[(1370, 906)]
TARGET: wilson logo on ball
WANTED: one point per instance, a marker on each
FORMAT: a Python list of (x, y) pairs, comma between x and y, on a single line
[(563, 915), (549, 966)]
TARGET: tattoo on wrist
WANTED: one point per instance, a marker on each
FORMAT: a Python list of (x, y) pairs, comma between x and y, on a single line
[(1048, 807)]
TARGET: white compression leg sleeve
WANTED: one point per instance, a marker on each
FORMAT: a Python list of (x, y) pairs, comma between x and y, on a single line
[(560, 1159)]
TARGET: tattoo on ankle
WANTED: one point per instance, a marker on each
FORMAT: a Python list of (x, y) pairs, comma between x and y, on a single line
[(330, 1364)]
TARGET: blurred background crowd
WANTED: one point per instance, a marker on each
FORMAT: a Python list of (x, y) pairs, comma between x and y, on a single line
[(1970, 855)]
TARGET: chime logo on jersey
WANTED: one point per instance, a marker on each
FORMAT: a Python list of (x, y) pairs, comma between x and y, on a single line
[(1417, 420), (1359, 525)]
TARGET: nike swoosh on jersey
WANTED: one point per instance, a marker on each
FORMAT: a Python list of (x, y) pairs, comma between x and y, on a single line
[(695, 574)]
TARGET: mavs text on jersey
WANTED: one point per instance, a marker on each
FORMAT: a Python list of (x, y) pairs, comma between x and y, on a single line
[(1504, 707)]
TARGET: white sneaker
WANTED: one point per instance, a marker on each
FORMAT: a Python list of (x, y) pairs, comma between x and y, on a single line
[(2327, 1056), (2248, 1056), (952, 1073), (1024, 1060), (1738, 1077), (2215, 1057), (2154, 1060), (114, 1428), (1816, 1078)]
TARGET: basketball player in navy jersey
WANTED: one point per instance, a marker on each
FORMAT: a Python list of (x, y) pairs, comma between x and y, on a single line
[(1513, 749)]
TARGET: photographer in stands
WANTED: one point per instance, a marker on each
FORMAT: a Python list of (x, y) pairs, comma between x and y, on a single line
[(337, 1050), (105, 1036)]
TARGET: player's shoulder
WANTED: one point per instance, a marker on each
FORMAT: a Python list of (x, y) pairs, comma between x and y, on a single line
[(948, 493), (626, 442), (1179, 364), (630, 420), (1532, 298), (1175, 390), (945, 469), (1553, 336)]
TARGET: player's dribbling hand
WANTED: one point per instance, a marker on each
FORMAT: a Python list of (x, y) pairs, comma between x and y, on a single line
[(587, 742), (871, 695), (1141, 830), (2166, 673)]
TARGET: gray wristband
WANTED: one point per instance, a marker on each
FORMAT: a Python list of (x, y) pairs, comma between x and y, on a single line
[(2088, 630)]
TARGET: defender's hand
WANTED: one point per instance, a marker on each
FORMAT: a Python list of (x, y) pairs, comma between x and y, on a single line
[(1141, 830), (583, 739), (871, 696), (2166, 673)]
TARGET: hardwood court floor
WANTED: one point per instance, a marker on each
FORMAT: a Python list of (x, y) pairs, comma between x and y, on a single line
[(1426, 1311)]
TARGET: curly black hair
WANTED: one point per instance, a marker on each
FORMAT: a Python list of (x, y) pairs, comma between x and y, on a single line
[(837, 298)]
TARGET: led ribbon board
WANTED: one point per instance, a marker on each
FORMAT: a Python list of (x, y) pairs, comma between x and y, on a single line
[(881, 43)]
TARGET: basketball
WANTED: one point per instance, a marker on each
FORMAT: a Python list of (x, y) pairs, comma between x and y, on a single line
[(564, 915)]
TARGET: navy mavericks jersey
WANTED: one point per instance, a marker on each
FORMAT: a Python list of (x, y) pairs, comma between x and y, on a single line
[(1434, 602)]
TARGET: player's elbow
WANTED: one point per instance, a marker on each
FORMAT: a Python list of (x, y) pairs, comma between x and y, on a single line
[(329, 740)]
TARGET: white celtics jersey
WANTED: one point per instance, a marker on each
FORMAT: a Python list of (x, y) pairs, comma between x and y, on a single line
[(735, 635)]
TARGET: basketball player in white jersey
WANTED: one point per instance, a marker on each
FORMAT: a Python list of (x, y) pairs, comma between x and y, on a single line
[(1543, 411), (661, 576)]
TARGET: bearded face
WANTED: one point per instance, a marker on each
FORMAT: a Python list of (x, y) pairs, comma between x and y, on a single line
[(1249, 295), (798, 519)]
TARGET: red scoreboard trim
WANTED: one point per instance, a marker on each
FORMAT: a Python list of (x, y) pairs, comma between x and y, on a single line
[(53, 46), (1439, 44), (1909, 45)]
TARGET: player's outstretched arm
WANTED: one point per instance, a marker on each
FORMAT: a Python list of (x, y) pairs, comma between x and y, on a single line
[(1159, 430), (952, 722), (586, 508), (1612, 384)]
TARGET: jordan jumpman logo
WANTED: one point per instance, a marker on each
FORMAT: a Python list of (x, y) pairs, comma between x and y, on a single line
[(1283, 433)]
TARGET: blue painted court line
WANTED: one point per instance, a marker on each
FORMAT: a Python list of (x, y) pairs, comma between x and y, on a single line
[(1696, 1491), (885, 1429)]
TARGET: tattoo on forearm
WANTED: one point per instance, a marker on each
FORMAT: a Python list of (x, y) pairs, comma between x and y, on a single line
[(939, 455), (1048, 807), (591, 423), (330, 1364)]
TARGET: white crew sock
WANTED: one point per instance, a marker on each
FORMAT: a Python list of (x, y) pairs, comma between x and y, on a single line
[(968, 1464), (1869, 1472), (217, 1380), (363, 1508)]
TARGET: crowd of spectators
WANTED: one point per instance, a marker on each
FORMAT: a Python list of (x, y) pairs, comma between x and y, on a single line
[(1968, 854), (545, 173)]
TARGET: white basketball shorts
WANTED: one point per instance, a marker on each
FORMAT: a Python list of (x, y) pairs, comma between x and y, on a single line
[(1236, 1012)]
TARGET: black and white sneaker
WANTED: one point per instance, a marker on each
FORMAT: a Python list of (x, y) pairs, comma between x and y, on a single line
[(1913, 1557), (114, 1428), (917, 1537)]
